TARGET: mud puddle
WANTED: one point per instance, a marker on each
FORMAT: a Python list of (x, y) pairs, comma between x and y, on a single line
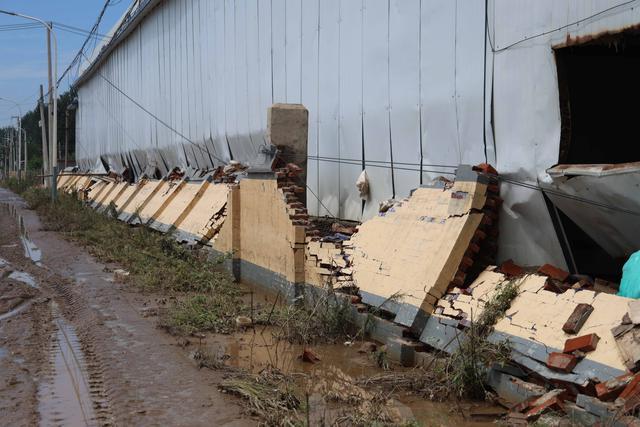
[(256, 349), (31, 250), (64, 395)]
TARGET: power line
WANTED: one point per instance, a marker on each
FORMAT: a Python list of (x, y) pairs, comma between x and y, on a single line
[(557, 193), (359, 163), (388, 162), (320, 201), (94, 29), (563, 27), (81, 30)]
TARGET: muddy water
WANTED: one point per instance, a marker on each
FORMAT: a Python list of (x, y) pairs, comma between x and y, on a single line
[(64, 396), (256, 349), (31, 250)]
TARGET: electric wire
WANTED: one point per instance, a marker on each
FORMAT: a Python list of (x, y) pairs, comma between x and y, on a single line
[(320, 201), (507, 180), (563, 27), (557, 193), (91, 32)]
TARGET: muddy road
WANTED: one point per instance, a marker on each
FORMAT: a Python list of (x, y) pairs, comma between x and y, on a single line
[(76, 348)]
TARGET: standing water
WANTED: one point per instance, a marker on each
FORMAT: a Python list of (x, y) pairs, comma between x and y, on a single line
[(64, 397)]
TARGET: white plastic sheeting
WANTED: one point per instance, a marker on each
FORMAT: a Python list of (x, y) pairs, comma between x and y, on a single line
[(395, 85)]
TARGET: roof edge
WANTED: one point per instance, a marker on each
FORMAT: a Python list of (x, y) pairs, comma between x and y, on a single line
[(124, 30)]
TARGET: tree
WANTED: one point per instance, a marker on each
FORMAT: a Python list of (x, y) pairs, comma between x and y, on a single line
[(30, 123)]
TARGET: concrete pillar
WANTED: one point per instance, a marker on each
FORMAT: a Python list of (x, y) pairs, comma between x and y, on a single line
[(287, 129)]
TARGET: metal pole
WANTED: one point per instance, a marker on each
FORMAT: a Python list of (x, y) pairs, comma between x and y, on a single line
[(19, 148), (25, 153), (45, 146), (53, 154), (66, 136), (11, 154)]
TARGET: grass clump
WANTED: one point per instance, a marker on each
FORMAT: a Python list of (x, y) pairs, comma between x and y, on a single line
[(324, 320), (269, 395), (466, 369), (198, 313)]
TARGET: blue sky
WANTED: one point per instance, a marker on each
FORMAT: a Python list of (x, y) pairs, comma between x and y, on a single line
[(23, 53)]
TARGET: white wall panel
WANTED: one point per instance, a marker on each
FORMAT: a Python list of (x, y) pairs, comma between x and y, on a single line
[(255, 110), (440, 143), (328, 107), (375, 79), (310, 95), (404, 90), (278, 50), (293, 54), (350, 114)]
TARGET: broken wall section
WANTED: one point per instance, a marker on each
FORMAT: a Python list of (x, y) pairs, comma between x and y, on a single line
[(535, 326), (407, 257), (192, 210)]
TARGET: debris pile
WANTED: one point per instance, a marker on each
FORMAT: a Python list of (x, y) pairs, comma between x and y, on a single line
[(569, 340), (228, 174)]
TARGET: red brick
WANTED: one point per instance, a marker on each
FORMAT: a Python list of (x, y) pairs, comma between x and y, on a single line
[(552, 403), (474, 248), (485, 168), (302, 217), (562, 361), (459, 278), (493, 202), (577, 318), (492, 214), (524, 405), (553, 272), (511, 269), (486, 220), (294, 168), (479, 235), (466, 263), (584, 343), (633, 388), (609, 390)]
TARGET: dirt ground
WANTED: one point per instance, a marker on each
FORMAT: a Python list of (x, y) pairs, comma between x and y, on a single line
[(76, 348)]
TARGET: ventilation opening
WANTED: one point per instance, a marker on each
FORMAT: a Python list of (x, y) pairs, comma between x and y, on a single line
[(598, 86)]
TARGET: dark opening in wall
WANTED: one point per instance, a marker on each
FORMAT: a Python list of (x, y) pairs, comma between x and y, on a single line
[(599, 87), (599, 92)]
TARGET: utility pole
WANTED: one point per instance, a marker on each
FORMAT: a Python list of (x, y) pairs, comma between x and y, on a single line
[(19, 147), (53, 121), (12, 151), (66, 136), (25, 150), (45, 146)]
